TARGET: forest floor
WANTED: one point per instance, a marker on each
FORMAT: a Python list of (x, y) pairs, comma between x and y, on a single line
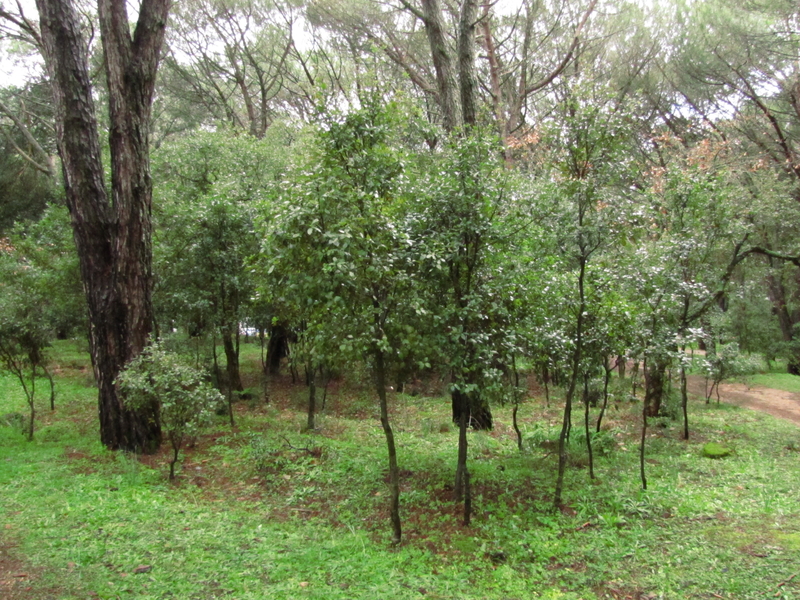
[(264, 510), (778, 403)]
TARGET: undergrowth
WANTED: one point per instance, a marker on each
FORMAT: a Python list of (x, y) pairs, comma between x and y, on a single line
[(265, 511)]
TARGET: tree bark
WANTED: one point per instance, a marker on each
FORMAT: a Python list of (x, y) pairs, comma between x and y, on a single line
[(655, 379), (586, 425), (394, 472), (777, 295), (442, 64), (230, 342), (468, 81), (112, 235), (277, 348), (478, 413), (606, 379)]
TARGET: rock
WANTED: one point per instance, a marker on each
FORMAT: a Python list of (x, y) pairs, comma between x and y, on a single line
[(715, 450)]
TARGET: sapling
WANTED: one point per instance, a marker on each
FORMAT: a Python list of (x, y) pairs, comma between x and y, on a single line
[(186, 400)]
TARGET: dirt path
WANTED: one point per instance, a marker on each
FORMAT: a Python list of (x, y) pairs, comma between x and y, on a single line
[(785, 405)]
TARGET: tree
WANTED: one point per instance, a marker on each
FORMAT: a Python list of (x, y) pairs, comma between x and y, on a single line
[(467, 223), (736, 75), (24, 332), (340, 258), (210, 184), (112, 234)]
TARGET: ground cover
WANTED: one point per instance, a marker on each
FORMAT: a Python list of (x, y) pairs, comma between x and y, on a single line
[(265, 511)]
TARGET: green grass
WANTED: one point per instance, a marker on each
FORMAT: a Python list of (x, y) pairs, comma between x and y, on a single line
[(264, 511), (778, 381)]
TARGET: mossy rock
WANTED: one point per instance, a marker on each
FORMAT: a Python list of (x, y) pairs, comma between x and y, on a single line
[(715, 450)]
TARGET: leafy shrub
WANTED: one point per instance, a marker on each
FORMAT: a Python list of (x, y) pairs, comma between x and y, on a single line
[(186, 399)]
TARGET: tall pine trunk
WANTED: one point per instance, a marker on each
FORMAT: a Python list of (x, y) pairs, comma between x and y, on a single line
[(112, 235)]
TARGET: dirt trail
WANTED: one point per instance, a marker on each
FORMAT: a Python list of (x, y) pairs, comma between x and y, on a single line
[(785, 405)]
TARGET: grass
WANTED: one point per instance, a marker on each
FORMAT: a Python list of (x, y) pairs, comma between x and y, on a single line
[(775, 377), (263, 511)]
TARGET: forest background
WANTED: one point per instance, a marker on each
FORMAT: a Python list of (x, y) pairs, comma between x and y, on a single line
[(497, 199)]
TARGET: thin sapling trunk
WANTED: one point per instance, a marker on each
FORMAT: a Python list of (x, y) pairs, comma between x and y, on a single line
[(394, 473), (586, 425), (606, 381), (312, 398)]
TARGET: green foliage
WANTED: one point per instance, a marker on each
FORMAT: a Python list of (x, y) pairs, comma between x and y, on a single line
[(208, 187), (727, 363), (186, 400), (24, 327), (299, 508)]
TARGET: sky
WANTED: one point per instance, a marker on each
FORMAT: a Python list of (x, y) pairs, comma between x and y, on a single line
[(16, 68)]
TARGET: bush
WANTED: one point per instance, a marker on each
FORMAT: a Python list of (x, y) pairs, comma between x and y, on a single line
[(186, 398)]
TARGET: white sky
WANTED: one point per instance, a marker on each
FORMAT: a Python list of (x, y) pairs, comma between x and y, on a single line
[(16, 68)]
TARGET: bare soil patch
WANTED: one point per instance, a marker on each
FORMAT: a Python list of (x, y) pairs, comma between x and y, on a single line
[(15, 575), (778, 403)]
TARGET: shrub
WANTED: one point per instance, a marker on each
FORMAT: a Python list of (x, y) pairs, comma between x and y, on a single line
[(186, 399)]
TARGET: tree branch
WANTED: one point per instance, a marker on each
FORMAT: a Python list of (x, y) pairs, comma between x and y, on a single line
[(49, 170), (547, 79)]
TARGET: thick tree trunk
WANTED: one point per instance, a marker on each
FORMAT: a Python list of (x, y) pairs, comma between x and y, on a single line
[(787, 321), (478, 413), (468, 81), (462, 489), (112, 236), (442, 64), (230, 342), (277, 348)]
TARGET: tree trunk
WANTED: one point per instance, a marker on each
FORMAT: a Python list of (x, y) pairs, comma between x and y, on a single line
[(655, 378), (468, 81), (586, 425), (777, 295), (113, 237), (394, 473), (312, 398), (685, 403), (230, 342), (277, 349), (566, 423), (606, 380), (462, 489), (645, 410), (442, 64), (479, 415)]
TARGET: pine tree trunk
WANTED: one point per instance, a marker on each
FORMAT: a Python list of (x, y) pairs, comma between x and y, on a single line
[(442, 64), (113, 236)]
